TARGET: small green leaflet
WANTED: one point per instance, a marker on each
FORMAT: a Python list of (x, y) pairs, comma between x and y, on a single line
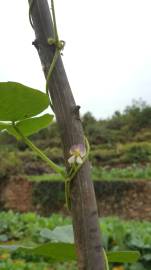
[(31, 125)]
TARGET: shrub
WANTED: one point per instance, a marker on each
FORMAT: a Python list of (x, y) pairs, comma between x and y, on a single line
[(137, 152), (143, 135)]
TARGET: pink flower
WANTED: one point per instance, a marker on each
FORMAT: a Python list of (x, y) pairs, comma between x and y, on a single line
[(77, 152)]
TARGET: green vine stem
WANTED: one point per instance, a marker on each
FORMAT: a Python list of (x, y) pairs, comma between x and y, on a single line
[(39, 153), (56, 55)]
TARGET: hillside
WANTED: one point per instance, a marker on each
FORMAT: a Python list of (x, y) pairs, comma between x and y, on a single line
[(123, 141)]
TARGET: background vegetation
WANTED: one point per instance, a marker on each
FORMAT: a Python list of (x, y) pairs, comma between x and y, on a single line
[(120, 147)]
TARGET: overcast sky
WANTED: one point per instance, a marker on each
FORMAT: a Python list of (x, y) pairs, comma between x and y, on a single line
[(107, 55)]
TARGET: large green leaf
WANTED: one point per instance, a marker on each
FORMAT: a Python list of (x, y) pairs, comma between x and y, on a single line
[(18, 102), (31, 126), (63, 234), (66, 252), (56, 251)]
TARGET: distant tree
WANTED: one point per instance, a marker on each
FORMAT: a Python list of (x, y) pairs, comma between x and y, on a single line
[(116, 122), (137, 116)]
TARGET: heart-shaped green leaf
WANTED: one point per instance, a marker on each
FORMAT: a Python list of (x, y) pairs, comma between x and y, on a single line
[(18, 102), (31, 125)]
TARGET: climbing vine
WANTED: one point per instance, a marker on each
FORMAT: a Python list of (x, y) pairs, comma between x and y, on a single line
[(75, 150)]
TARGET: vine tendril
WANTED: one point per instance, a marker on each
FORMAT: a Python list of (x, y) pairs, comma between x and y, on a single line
[(59, 44)]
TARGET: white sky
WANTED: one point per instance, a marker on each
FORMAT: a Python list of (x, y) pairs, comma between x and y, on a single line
[(107, 54)]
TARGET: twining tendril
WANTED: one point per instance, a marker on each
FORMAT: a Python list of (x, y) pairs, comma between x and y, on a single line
[(59, 44)]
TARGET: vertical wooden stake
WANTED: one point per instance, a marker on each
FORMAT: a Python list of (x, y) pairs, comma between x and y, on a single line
[(83, 203)]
